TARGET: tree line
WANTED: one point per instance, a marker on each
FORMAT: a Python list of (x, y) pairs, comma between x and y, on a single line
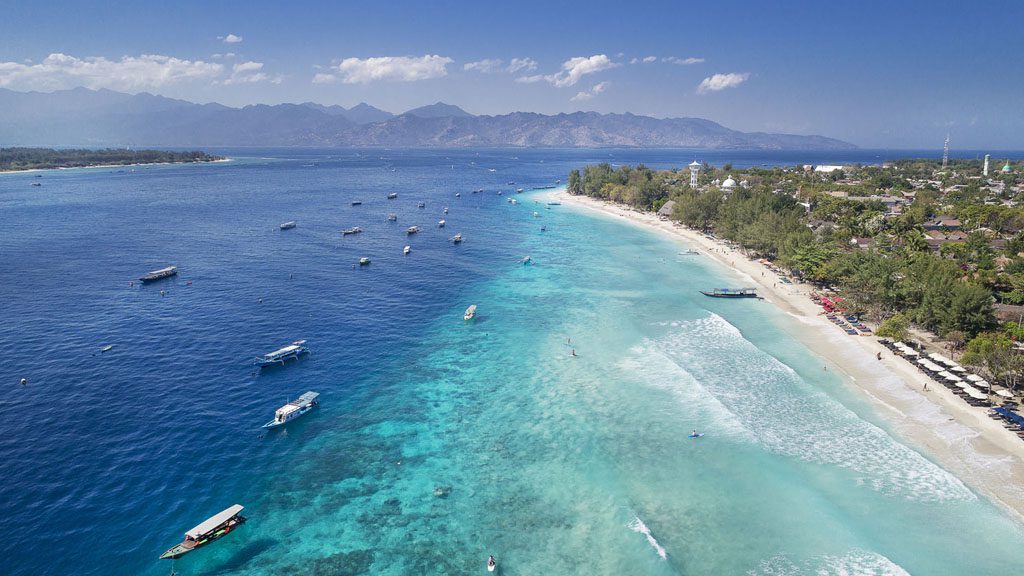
[(12, 159)]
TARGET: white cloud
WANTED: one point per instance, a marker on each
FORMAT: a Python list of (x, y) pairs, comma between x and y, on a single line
[(681, 61), (486, 65), (649, 59), (250, 73), (225, 56), (322, 78), (130, 73), (522, 64), (594, 91), (721, 82), (395, 68), (530, 79), (575, 68), (634, 60), (230, 39)]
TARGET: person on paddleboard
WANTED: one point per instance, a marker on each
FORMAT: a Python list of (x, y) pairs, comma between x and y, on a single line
[(491, 563)]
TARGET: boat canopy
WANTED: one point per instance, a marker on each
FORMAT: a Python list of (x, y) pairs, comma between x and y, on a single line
[(305, 399), (211, 523)]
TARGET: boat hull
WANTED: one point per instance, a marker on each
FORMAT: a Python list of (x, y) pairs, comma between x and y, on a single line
[(179, 550), (722, 295)]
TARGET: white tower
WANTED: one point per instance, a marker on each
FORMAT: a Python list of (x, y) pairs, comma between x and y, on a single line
[(694, 169), (985, 171), (945, 153)]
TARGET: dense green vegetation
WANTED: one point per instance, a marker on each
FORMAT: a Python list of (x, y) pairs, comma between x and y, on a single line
[(949, 292), (42, 158)]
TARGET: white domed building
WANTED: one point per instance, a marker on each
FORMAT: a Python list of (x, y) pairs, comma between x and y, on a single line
[(729, 184)]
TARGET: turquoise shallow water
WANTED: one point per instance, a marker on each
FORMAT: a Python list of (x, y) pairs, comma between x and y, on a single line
[(438, 441)]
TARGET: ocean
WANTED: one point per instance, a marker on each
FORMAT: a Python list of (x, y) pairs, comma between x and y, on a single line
[(438, 441)]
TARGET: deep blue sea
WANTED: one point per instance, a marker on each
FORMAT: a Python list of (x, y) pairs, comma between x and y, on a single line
[(438, 441)]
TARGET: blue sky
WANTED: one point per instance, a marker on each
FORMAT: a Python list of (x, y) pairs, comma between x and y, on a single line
[(879, 74)]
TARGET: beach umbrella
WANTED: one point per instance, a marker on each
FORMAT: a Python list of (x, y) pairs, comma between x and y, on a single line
[(1004, 393), (957, 368), (974, 378)]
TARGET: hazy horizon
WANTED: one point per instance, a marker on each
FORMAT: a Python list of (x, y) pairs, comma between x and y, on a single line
[(875, 75)]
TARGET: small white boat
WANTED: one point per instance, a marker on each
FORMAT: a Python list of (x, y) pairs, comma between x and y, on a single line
[(407, 250), (421, 205), (293, 409), (364, 261), (352, 230), (412, 230), (392, 196), (357, 202), (689, 252), (458, 194), (288, 225), (536, 214), (392, 217), (445, 209), (470, 312), (491, 563), (457, 238), (107, 348), (527, 260), (519, 190), (499, 192), (440, 224), (512, 201), (159, 274)]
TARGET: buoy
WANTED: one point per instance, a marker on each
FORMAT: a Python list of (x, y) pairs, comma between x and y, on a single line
[(162, 293), (24, 381)]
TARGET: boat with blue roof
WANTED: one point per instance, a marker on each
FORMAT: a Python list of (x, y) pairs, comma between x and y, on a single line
[(294, 409)]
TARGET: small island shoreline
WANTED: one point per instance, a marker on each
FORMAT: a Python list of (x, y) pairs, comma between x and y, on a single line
[(961, 438), (20, 160), (99, 166)]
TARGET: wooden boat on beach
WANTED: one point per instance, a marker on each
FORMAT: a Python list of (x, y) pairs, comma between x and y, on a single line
[(209, 530), (731, 293)]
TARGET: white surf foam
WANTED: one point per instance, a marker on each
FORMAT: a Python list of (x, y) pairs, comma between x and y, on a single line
[(853, 563), (752, 391), (637, 525)]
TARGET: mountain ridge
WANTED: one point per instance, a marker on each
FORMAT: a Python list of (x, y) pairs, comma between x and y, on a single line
[(84, 117)]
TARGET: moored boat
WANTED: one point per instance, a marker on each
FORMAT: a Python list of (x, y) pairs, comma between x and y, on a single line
[(527, 260), (731, 293), (457, 238), (406, 250), (470, 312), (421, 205), (293, 350), (440, 223), (364, 261), (519, 190), (445, 209), (392, 196), (288, 225), (352, 230), (293, 409), (209, 530), (392, 217), (357, 202), (412, 230), (159, 274)]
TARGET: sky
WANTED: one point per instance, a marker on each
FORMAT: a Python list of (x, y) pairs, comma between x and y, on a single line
[(877, 74)]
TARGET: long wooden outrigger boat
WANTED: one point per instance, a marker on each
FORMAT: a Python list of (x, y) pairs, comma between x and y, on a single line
[(731, 293), (209, 530), (159, 274), (293, 350)]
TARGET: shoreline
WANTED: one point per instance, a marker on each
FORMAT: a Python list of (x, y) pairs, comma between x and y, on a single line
[(29, 170), (961, 438)]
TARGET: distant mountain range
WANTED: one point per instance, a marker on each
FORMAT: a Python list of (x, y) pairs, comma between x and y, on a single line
[(83, 117)]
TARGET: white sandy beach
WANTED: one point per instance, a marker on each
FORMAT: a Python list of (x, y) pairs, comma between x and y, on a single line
[(960, 437)]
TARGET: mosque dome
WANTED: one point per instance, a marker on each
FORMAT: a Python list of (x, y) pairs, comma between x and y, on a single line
[(1006, 167), (729, 182)]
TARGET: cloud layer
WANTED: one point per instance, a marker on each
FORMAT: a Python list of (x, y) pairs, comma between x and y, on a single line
[(721, 82), (130, 73), (575, 68), (486, 65), (588, 94), (391, 68)]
